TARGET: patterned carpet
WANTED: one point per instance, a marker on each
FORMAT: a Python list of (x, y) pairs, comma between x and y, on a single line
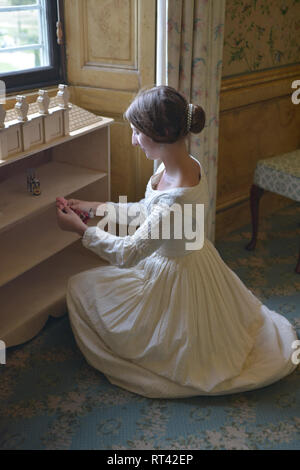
[(50, 398)]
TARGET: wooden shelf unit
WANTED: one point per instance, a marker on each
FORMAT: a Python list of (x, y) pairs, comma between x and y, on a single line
[(40, 292), (37, 257)]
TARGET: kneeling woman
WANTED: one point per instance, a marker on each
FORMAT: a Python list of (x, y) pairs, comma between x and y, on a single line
[(162, 320)]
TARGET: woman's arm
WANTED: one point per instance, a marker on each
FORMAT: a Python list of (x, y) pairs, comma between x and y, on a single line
[(121, 213), (69, 221), (128, 251)]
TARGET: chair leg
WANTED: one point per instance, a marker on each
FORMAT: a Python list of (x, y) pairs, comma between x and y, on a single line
[(297, 269), (255, 195)]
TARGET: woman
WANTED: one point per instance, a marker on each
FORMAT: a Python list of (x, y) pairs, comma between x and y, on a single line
[(163, 320)]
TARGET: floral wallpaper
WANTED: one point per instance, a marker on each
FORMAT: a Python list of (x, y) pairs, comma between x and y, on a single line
[(260, 35)]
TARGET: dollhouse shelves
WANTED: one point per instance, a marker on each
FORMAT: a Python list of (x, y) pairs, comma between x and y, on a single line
[(69, 149), (44, 126)]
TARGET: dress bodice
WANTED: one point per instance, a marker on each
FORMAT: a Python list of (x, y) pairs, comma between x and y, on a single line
[(189, 199)]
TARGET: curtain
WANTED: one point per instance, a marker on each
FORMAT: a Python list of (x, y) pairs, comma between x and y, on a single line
[(194, 45)]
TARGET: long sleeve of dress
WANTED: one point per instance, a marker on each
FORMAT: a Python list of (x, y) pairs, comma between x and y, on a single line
[(129, 250), (121, 213)]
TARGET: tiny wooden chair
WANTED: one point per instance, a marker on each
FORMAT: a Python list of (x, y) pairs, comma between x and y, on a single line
[(280, 175)]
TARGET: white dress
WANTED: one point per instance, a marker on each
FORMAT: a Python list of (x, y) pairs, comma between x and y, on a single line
[(164, 321)]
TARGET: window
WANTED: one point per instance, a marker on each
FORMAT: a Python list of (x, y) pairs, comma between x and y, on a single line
[(29, 54)]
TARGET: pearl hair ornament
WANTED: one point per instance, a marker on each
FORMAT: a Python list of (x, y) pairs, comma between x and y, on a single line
[(189, 116)]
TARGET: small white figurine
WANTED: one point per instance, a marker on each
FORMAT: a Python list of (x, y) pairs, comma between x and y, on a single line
[(63, 96), (21, 107), (43, 101)]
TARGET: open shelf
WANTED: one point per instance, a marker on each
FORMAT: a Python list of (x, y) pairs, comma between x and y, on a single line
[(57, 179), (72, 135), (30, 243), (40, 292), (36, 256)]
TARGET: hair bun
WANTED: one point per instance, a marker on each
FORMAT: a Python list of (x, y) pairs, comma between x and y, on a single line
[(198, 119), (163, 114)]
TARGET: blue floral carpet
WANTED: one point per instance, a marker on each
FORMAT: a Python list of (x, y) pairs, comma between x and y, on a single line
[(50, 398)]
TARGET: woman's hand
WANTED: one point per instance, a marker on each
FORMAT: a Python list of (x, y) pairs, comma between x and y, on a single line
[(84, 206), (69, 221)]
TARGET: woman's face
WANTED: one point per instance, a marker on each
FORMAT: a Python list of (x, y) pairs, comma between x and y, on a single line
[(147, 145)]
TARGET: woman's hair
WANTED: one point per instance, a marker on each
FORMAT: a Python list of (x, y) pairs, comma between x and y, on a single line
[(161, 113)]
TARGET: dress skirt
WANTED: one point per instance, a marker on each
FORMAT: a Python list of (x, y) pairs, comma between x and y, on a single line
[(178, 326)]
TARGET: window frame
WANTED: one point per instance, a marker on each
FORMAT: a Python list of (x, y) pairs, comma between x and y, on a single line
[(48, 75)]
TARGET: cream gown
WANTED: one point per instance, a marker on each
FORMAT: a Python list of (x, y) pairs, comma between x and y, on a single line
[(164, 321)]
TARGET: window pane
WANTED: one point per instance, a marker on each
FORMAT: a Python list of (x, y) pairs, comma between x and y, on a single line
[(19, 29), (12, 3), (20, 60), (29, 54)]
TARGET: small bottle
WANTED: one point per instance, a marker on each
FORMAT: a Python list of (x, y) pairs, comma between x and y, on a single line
[(30, 179), (36, 187)]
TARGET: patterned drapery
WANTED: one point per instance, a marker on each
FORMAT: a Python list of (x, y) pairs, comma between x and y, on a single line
[(195, 34)]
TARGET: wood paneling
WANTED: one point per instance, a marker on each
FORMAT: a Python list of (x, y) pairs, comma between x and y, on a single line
[(257, 86), (109, 33), (111, 55), (257, 120)]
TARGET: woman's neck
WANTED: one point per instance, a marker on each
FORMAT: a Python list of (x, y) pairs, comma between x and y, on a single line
[(176, 159)]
